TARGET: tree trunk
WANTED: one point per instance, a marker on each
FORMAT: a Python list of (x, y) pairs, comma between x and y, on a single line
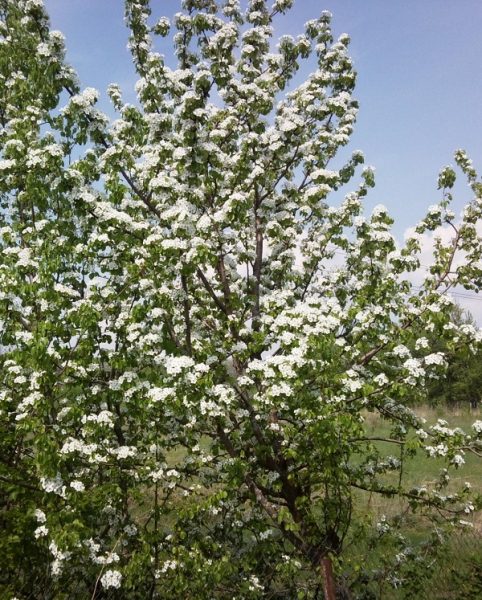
[(328, 579)]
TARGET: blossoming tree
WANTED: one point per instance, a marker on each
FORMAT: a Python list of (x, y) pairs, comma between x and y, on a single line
[(185, 369)]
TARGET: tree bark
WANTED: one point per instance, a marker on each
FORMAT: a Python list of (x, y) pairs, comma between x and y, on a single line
[(328, 579)]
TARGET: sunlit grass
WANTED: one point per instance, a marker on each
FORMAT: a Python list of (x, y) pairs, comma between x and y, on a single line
[(421, 470)]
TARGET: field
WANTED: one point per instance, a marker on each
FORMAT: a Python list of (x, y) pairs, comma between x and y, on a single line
[(424, 471), (457, 572)]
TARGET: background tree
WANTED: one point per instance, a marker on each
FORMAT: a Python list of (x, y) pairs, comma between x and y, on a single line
[(184, 373), (462, 383)]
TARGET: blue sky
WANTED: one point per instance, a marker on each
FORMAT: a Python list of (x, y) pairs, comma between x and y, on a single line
[(419, 81)]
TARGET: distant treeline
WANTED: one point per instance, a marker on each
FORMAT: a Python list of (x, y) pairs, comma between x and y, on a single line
[(462, 385)]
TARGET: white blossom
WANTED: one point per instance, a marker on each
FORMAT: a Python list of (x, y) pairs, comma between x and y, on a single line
[(78, 486), (41, 531), (111, 579), (40, 515)]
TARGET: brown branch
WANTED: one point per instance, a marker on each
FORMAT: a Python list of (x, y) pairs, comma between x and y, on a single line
[(211, 292), (221, 268), (473, 450), (21, 484), (172, 333), (376, 439), (267, 506), (284, 172), (257, 269), (187, 314)]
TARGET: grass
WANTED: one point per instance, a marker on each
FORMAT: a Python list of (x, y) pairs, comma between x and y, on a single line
[(457, 571), (421, 470)]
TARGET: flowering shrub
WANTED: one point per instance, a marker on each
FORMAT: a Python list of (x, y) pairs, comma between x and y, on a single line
[(184, 369)]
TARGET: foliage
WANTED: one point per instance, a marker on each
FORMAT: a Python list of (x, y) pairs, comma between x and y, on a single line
[(167, 282), (459, 574)]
